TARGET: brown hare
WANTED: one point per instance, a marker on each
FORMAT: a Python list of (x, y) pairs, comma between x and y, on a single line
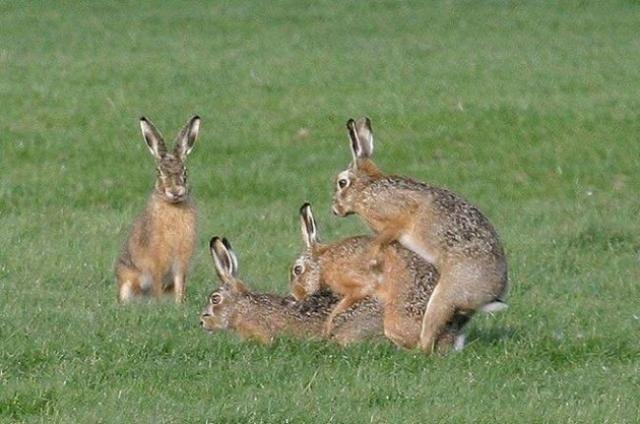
[(403, 284), (264, 317), (437, 224), (160, 243)]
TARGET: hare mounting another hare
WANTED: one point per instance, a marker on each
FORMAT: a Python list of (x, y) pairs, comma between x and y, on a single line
[(403, 283), (435, 223)]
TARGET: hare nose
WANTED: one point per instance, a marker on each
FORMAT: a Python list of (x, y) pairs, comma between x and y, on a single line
[(176, 193)]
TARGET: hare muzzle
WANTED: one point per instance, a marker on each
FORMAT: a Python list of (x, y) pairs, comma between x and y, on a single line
[(209, 322), (338, 208), (176, 195)]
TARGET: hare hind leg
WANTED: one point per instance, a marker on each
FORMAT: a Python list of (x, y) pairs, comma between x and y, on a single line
[(401, 329), (128, 284), (461, 289), (440, 311), (362, 321)]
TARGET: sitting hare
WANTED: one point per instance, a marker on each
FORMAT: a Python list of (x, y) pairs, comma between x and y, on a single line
[(160, 242)]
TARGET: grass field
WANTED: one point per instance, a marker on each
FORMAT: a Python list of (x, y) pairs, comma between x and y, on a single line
[(530, 110)]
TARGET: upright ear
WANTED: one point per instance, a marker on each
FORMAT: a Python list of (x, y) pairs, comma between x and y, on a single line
[(308, 226), (232, 255), (153, 138), (187, 137), (226, 264), (221, 259), (361, 138)]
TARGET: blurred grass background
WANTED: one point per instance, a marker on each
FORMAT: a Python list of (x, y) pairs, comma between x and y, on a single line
[(528, 109)]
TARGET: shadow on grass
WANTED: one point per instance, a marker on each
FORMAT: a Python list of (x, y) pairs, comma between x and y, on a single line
[(493, 335)]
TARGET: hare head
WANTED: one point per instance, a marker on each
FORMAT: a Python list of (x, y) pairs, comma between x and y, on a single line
[(222, 302), (171, 180), (305, 272), (350, 183)]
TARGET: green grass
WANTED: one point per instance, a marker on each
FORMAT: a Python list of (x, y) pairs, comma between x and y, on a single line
[(528, 109)]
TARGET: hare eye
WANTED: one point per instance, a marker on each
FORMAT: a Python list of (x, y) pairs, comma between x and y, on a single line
[(297, 270), (343, 182), (215, 299)]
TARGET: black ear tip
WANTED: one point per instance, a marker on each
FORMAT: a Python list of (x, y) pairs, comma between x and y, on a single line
[(195, 118), (143, 119), (226, 243), (350, 123), (213, 241), (306, 205)]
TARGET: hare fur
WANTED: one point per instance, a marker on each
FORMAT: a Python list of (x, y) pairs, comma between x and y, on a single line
[(160, 243), (435, 223), (264, 317), (403, 284)]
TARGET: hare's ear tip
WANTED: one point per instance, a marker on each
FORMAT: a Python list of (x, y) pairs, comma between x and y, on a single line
[(350, 122), (196, 118), (226, 243), (304, 206), (143, 119), (213, 241)]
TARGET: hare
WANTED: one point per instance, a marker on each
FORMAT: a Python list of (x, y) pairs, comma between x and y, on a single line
[(403, 284), (435, 223), (264, 317), (160, 242)]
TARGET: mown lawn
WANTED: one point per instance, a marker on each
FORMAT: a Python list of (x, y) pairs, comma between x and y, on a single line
[(528, 109)]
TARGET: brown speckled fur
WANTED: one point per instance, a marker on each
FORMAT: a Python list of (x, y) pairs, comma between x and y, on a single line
[(264, 317), (435, 223), (403, 283), (155, 257)]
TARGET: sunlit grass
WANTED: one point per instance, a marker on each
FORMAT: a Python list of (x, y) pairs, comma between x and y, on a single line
[(528, 110)]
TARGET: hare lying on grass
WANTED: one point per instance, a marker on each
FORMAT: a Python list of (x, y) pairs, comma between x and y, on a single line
[(263, 317)]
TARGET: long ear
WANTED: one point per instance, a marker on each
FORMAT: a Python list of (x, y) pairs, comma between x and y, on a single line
[(361, 137), (365, 135), (226, 264), (187, 137), (221, 259), (232, 255), (308, 226), (153, 138)]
